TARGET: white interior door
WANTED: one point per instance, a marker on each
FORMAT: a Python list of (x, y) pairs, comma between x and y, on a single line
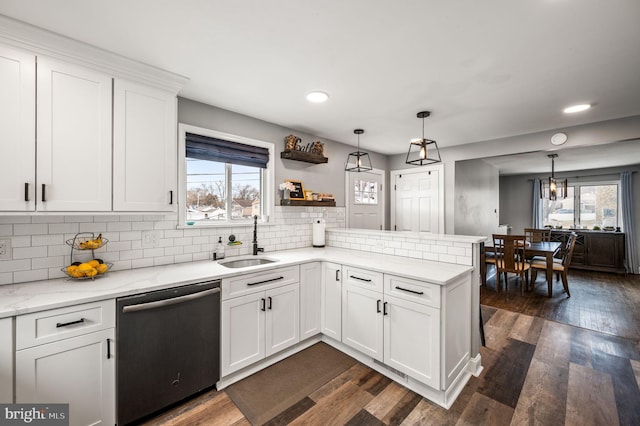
[(365, 200), (418, 204)]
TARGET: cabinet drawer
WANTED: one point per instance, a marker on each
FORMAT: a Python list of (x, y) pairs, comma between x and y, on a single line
[(413, 290), (259, 281), (362, 278), (57, 324)]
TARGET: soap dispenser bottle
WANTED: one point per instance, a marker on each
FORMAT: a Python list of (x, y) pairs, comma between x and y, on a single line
[(219, 253)]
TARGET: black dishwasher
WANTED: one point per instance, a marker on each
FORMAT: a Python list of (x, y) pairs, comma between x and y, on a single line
[(168, 347)]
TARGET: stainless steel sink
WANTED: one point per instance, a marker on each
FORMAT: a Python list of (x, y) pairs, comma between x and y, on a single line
[(243, 263)]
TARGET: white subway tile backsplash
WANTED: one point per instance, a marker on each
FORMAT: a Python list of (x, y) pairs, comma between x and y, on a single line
[(40, 249), (6, 278), (24, 241), (47, 219), (63, 228), (30, 229), (118, 226), (31, 275), (131, 254), (47, 240), (48, 262), (79, 219), (29, 252)]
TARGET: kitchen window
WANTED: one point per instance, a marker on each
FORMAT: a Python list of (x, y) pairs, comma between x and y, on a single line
[(587, 205), (225, 179)]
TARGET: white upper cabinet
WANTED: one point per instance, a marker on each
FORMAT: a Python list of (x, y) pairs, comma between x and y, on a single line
[(74, 138), (144, 148), (17, 130)]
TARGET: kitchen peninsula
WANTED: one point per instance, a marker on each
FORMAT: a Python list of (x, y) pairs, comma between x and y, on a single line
[(406, 287)]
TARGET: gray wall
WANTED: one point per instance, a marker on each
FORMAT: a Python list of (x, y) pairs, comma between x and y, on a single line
[(476, 198), (329, 177)]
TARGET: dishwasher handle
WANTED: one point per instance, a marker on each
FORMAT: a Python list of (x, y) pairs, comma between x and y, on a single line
[(168, 302)]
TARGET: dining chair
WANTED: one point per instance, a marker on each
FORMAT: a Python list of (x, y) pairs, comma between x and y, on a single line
[(534, 235), (560, 266), (510, 254)]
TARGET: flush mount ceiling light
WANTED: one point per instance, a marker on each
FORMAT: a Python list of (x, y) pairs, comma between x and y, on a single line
[(423, 151), (557, 187), (358, 161), (576, 108), (317, 97)]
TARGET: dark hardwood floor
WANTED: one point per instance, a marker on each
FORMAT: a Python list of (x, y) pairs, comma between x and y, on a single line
[(547, 361), (604, 302)]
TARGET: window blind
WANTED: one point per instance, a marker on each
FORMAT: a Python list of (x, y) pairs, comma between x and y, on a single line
[(213, 149)]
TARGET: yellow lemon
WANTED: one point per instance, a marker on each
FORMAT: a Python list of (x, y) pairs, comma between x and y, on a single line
[(102, 268), (94, 263), (91, 273), (71, 268), (84, 267), (77, 274)]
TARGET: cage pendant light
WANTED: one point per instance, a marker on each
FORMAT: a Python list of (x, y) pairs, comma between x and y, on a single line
[(557, 187), (358, 161), (423, 151)]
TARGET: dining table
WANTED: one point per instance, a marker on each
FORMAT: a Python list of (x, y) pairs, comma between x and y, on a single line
[(546, 249)]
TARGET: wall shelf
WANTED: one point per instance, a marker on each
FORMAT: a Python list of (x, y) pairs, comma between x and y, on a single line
[(307, 157), (306, 203)]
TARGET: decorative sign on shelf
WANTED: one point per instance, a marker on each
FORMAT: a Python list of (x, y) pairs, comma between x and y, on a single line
[(310, 153)]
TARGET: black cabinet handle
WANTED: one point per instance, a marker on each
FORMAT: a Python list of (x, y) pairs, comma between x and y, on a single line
[(409, 291), (266, 281), (26, 191), (378, 305), (384, 309), (170, 197), (108, 348), (337, 276), (44, 197), (263, 304), (66, 324), (270, 302), (360, 279)]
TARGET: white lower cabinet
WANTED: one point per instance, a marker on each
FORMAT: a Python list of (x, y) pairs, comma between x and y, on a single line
[(412, 339), (260, 323), (310, 296), (75, 366), (6, 360), (400, 323), (362, 311), (331, 300)]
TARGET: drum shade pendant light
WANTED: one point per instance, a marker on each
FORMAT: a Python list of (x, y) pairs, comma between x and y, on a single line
[(358, 161), (423, 151), (557, 187)]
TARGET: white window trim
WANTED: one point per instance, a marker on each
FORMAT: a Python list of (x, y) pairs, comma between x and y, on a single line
[(267, 184)]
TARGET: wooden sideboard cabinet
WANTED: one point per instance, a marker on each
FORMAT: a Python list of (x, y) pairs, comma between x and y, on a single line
[(595, 250)]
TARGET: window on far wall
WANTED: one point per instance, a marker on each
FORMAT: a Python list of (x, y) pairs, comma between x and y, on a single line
[(587, 205), (225, 178), (365, 192)]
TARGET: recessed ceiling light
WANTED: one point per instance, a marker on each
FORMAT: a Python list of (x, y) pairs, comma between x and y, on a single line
[(576, 108), (317, 97)]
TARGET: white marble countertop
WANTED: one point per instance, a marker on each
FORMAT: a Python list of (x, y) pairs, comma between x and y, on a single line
[(17, 299)]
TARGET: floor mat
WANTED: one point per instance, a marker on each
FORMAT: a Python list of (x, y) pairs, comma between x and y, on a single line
[(263, 395)]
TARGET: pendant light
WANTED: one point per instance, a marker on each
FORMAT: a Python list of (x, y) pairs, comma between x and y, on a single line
[(359, 160), (423, 151), (557, 187)]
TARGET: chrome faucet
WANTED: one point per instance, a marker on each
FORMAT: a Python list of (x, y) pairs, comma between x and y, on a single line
[(256, 249)]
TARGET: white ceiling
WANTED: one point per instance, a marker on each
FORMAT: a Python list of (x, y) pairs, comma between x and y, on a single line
[(486, 69)]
